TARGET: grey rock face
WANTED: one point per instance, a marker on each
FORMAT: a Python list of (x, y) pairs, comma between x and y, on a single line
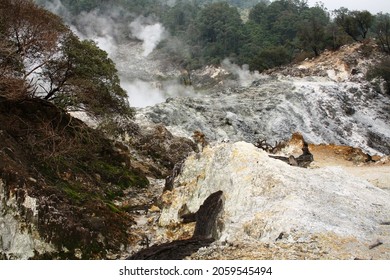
[(19, 239), (274, 107)]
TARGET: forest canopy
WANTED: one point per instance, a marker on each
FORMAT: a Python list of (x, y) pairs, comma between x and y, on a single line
[(261, 33)]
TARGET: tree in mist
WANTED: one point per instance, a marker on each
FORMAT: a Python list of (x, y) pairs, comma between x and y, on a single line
[(40, 57), (28, 39), (85, 78)]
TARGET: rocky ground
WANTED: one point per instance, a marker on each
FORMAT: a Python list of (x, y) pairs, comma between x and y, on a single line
[(377, 173), (69, 192), (274, 211), (327, 100), (343, 117)]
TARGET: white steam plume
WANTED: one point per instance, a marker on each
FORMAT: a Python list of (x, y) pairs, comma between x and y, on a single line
[(150, 33), (57, 8), (245, 76), (103, 29), (143, 94), (90, 25), (108, 29)]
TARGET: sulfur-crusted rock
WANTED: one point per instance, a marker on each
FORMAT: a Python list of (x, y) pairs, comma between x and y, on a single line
[(268, 201)]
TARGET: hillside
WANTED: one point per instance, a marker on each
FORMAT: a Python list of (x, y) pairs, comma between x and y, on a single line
[(67, 191), (57, 173)]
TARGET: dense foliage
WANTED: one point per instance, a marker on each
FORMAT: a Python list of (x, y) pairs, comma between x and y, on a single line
[(40, 57), (274, 33), (260, 33)]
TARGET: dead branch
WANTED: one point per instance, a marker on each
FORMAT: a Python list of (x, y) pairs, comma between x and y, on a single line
[(264, 145)]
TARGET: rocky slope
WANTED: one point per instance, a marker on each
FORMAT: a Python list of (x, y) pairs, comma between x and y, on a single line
[(336, 209), (68, 192), (327, 99), (273, 210)]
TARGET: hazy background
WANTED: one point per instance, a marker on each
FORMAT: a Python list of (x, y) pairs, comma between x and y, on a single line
[(373, 6)]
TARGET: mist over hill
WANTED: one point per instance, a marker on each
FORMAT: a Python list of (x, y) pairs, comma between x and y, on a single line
[(156, 46)]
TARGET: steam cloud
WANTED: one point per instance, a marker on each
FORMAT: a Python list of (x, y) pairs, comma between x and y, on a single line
[(245, 76), (150, 34), (57, 8), (103, 29), (143, 94), (108, 30)]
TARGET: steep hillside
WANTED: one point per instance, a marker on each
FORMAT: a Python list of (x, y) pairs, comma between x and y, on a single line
[(66, 191)]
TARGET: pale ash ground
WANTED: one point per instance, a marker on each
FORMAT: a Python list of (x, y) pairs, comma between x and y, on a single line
[(275, 211)]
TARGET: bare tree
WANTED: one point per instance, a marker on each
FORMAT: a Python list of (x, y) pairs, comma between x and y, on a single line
[(29, 39)]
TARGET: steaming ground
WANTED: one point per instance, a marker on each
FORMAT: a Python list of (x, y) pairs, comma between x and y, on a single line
[(150, 79), (147, 80), (150, 33), (130, 41), (321, 99)]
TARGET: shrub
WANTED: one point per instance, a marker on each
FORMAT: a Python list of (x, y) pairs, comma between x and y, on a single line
[(382, 71)]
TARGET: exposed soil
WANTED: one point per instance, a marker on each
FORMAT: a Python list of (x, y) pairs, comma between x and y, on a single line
[(373, 168), (377, 171)]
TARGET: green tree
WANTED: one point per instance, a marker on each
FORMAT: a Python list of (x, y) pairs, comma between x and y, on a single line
[(258, 13), (313, 30), (255, 40), (280, 19), (382, 31), (381, 70), (40, 57), (272, 31), (179, 17), (364, 21), (355, 23), (270, 57), (220, 32), (84, 78)]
